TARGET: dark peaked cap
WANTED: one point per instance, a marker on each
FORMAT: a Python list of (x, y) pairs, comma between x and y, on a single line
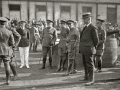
[(3, 19), (50, 21), (62, 21), (100, 20), (86, 15), (22, 21), (7, 18), (70, 21)]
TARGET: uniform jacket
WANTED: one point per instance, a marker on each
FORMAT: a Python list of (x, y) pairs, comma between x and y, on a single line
[(73, 39), (32, 35), (49, 36), (88, 41), (63, 37), (6, 40), (102, 38), (24, 42)]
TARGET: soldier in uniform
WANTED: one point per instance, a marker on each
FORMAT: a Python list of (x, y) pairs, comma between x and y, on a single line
[(73, 40), (17, 38), (101, 45), (6, 40), (62, 46), (48, 40)]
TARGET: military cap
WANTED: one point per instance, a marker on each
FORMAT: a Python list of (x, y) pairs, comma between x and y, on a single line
[(3, 19), (100, 20), (36, 23), (62, 21), (50, 21), (7, 18), (116, 25), (108, 23), (70, 21), (22, 21), (86, 15)]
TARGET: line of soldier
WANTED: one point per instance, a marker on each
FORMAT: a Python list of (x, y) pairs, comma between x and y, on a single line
[(90, 40)]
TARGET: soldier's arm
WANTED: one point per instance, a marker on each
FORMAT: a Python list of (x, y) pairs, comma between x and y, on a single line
[(112, 32), (77, 38), (17, 37), (95, 36), (11, 40), (103, 38)]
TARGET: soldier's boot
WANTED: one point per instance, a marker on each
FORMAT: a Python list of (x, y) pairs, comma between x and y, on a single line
[(36, 48), (59, 67), (50, 62), (13, 68), (64, 61), (44, 62), (99, 66)]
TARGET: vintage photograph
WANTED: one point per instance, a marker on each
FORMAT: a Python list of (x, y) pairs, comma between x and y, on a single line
[(59, 44)]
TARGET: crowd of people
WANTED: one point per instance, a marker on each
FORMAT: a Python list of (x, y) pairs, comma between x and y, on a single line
[(28, 35)]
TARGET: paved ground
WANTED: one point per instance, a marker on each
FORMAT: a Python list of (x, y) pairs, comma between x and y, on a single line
[(49, 79)]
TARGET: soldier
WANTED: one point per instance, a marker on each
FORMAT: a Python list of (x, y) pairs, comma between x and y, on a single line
[(6, 40), (101, 45), (17, 38), (62, 46), (48, 40), (73, 39)]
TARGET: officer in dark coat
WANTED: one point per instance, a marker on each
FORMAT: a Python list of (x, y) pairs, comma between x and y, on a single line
[(101, 45), (87, 47), (48, 40), (62, 46), (6, 40)]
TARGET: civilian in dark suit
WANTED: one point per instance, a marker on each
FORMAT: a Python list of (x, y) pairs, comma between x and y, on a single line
[(6, 40), (87, 47), (24, 44)]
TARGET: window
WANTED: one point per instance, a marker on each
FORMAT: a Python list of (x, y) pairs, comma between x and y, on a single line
[(86, 9), (40, 7), (14, 7), (111, 15), (65, 8)]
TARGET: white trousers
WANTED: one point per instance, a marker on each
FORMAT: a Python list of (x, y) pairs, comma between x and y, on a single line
[(24, 55)]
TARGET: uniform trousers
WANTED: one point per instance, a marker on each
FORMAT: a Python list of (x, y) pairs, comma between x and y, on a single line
[(24, 55), (88, 67)]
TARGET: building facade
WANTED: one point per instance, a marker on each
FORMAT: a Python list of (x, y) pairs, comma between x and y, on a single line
[(109, 10)]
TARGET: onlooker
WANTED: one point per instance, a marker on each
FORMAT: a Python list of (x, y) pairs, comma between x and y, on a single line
[(24, 44)]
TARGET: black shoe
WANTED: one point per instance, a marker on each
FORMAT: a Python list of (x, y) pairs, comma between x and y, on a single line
[(42, 68), (58, 70), (50, 67)]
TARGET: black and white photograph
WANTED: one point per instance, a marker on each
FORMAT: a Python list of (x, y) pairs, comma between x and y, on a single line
[(59, 44)]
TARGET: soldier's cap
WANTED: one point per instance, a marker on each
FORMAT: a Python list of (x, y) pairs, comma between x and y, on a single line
[(22, 21), (70, 21), (7, 18), (86, 15), (108, 23), (62, 22), (36, 23), (3, 19), (50, 21), (100, 20), (116, 25)]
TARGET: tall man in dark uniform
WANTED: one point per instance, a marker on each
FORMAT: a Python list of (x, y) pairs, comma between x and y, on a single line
[(101, 45), (48, 40), (62, 46), (87, 47), (6, 40), (73, 40)]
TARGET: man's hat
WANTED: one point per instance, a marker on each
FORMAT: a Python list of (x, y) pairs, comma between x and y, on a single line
[(7, 18), (50, 21), (36, 23), (3, 19), (22, 21), (70, 21), (108, 23), (100, 20), (116, 25), (86, 15), (62, 22)]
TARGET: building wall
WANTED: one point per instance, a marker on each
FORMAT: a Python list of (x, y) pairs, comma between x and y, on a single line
[(53, 11)]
